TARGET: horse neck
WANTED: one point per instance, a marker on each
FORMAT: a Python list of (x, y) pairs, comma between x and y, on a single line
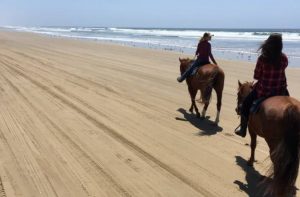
[(249, 90), (183, 67)]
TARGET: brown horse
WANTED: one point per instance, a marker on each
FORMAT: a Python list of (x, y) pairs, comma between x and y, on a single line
[(208, 77), (278, 121)]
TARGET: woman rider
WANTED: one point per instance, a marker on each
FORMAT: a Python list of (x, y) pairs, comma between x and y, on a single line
[(203, 53), (270, 76)]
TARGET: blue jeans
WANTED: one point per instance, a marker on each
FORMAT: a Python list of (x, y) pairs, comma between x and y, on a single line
[(197, 63), (248, 103)]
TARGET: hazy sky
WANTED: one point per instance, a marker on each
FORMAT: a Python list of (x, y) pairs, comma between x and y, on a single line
[(152, 13)]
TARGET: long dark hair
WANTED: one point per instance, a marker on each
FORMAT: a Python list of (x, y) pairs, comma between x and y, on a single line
[(271, 50)]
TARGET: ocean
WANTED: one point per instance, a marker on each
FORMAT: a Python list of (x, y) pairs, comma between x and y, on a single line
[(230, 44)]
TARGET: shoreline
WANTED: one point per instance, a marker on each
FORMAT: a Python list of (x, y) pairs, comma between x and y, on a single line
[(243, 56)]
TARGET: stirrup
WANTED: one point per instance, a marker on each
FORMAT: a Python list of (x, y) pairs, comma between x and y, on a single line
[(235, 130)]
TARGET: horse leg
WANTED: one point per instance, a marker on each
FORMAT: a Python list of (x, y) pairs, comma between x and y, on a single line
[(253, 146), (219, 92), (193, 93), (206, 103), (196, 108), (203, 113)]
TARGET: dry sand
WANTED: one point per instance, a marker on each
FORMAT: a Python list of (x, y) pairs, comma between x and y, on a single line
[(79, 118)]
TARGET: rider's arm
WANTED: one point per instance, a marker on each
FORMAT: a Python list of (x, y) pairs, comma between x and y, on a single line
[(285, 60), (198, 50), (258, 69), (211, 55)]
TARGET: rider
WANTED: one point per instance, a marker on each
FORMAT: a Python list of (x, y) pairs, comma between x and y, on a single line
[(203, 53), (270, 76)]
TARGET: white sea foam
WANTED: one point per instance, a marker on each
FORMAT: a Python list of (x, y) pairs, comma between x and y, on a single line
[(181, 33), (287, 36), (239, 42)]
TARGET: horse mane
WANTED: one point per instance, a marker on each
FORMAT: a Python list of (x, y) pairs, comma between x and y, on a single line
[(184, 63), (187, 61), (246, 84)]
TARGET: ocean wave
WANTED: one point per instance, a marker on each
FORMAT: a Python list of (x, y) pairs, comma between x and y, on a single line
[(288, 36), (240, 42), (261, 33), (168, 33)]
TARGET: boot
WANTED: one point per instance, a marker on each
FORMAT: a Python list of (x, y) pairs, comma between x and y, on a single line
[(179, 79), (243, 128)]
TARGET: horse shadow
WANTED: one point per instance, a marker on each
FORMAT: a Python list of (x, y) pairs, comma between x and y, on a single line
[(206, 126), (256, 184)]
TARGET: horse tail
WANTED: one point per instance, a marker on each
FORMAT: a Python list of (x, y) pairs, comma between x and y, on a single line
[(286, 155), (206, 95), (219, 79)]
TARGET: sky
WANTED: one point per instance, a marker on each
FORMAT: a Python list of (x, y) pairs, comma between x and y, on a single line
[(152, 13)]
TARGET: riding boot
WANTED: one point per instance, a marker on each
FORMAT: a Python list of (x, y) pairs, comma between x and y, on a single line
[(184, 75), (242, 131), (180, 79)]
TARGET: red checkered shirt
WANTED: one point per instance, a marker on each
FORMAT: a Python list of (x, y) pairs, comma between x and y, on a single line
[(271, 80)]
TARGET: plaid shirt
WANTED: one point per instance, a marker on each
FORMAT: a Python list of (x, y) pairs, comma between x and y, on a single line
[(271, 81)]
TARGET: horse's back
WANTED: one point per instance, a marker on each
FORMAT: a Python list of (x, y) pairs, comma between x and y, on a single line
[(276, 105), (271, 116), (208, 70)]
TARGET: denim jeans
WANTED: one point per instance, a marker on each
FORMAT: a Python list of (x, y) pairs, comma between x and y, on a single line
[(198, 62), (248, 103)]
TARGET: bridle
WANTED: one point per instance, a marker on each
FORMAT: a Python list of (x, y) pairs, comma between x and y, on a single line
[(240, 99)]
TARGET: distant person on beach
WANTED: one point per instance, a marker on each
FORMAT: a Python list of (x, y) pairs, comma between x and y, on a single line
[(203, 53), (270, 75)]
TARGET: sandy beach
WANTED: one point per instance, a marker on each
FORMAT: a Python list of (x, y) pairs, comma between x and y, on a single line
[(81, 118)]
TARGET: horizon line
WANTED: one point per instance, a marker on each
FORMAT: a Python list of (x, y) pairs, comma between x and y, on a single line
[(139, 27)]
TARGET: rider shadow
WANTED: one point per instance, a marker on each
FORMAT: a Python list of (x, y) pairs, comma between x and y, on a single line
[(256, 185), (206, 126)]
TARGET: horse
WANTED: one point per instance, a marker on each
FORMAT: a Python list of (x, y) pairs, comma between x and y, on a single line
[(208, 77), (278, 122)]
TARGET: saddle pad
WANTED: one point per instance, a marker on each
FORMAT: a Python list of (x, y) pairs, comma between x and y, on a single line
[(194, 71), (256, 105)]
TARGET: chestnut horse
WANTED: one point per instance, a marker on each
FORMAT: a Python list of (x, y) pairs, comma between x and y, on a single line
[(278, 122), (208, 77)]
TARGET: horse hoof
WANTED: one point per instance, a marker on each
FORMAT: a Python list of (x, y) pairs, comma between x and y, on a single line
[(262, 178), (250, 163), (198, 116)]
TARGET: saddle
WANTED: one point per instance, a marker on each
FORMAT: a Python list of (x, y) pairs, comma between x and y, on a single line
[(256, 104), (195, 71)]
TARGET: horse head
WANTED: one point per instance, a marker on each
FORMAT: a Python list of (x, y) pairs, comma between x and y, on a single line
[(244, 90), (184, 64)]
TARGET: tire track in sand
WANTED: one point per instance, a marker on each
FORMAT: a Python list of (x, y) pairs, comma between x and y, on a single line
[(80, 151), (2, 190), (120, 138)]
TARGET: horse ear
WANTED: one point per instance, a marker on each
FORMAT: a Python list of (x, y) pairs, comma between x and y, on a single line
[(240, 84), (180, 59)]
